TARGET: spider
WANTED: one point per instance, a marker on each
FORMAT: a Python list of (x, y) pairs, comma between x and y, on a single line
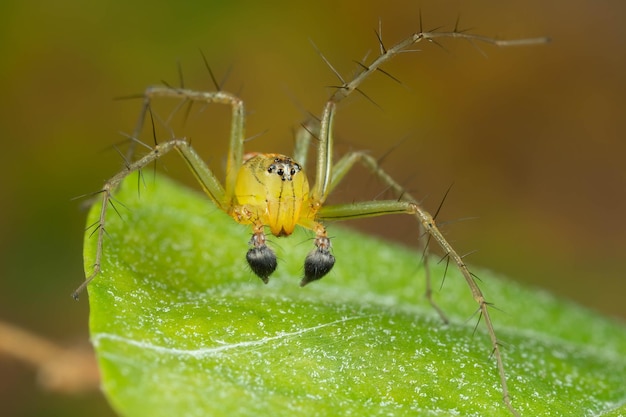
[(270, 191)]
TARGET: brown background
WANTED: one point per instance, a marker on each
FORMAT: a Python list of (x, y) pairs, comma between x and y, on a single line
[(531, 138)]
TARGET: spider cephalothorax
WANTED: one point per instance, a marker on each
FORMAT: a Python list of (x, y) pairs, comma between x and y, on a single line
[(272, 191)]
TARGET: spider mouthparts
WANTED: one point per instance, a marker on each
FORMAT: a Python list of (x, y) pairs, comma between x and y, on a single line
[(262, 261), (318, 263)]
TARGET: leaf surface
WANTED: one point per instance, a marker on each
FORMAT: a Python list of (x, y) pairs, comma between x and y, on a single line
[(182, 327)]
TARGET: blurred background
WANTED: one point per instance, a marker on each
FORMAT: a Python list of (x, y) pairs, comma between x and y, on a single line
[(532, 138)]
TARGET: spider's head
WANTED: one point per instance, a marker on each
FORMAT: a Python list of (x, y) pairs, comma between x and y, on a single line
[(284, 167), (273, 187)]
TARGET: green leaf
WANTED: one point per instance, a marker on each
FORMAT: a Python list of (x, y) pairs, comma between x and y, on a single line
[(181, 327)]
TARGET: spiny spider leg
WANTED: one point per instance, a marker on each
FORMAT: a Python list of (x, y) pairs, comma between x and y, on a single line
[(329, 175), (210, 183), (345, 164), (408, 205), (237, 132), (432, 36)]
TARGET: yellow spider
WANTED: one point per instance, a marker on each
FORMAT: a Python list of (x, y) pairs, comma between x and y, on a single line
[(271, 191)]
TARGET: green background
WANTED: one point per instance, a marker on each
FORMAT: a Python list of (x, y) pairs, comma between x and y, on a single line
[(532, 138)]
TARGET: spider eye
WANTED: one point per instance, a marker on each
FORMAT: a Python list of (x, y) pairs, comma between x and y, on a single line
[(285, 168)]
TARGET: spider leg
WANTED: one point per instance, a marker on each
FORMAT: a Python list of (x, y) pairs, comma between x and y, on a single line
[(407, 204), (220, 194), (304, 134), (386, 207), (327, 175), (201, 171), (345, 164), (324, 173), (237, 131)]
